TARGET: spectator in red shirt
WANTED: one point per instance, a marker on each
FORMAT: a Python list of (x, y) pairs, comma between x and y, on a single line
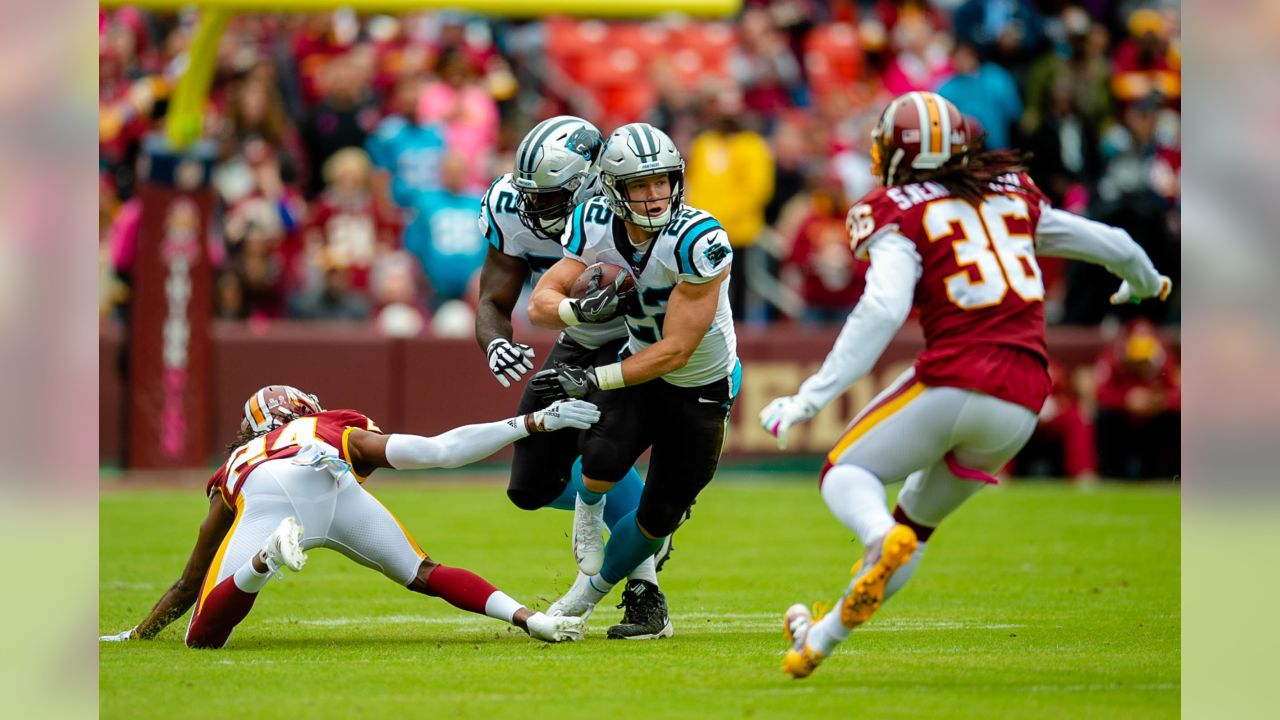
[(345, 222), (1147, 61), (1139, 415), (1063, 441), (821, 262)]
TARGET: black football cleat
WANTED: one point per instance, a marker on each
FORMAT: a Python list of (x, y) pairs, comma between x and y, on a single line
[(645, 613)]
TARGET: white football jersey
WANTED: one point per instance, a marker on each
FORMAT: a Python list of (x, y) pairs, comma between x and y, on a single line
[(691, 248), (504, 231)]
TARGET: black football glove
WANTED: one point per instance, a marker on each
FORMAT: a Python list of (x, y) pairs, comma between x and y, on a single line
[(602, 304), (564, 381)]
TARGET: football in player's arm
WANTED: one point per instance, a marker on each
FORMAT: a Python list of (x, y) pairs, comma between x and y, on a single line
[(319, 459), (673, 389), (522, 216), (690, 311)]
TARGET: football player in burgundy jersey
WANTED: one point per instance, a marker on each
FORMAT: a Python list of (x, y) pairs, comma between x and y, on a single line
[(294, 482), (954, 230)]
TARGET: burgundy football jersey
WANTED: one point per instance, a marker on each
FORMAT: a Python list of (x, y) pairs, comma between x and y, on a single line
[(330, 427), (981, 295)]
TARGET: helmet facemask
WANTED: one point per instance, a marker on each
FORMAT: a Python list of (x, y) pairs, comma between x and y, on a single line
[(615, 190), (544, 212)]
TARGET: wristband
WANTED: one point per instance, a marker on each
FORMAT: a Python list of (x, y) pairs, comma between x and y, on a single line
[(530, 426), (567, 315), (609, 377)]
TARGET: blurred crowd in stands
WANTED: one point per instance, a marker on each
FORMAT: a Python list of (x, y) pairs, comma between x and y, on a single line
[(353, 150)]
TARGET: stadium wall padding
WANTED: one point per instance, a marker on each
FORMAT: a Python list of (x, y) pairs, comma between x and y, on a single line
[(429, 385)]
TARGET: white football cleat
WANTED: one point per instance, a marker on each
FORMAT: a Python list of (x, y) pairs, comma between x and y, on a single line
[(284, 547), (575, 602), (564, 628), (588, 535)]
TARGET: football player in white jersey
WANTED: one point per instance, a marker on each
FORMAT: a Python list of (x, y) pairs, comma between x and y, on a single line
[(522, 216), (674, 387)]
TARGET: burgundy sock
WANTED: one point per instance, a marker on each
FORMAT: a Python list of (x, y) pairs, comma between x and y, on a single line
[(223, 609), (923, 532), (460, 588)]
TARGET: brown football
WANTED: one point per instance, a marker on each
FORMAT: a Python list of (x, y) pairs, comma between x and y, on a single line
[(607, 274)]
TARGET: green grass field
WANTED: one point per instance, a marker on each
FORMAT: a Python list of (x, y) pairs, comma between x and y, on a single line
[(1033, 601)]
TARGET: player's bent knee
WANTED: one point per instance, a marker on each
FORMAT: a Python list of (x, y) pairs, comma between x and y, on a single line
[(605, 472), (660, 522), (530, 499), (199, 638), (419, 583)]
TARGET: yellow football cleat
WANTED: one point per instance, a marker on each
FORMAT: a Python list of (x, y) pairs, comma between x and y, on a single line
[(800, 660), (801, 663), (881, 562)]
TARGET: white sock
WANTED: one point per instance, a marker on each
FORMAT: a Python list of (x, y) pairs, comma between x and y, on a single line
[(596, 588), (500, 606), (828, 632), (857, 499), (249, 579), (646, 571)]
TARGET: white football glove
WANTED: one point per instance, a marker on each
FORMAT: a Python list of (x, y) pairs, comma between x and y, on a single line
[(509, 360), (556, 629), (562, 414), (778, 416), (118, 637), (1126, 295)]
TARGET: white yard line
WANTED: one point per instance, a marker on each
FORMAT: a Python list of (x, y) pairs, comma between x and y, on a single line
[(690, 624)]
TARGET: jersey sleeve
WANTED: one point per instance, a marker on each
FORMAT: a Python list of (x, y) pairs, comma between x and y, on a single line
[(1035, 195), (701, 256), (869, 220), (488, 225), (218, 484)]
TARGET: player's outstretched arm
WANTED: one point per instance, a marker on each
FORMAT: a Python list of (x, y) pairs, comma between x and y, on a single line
[(467, 444), (1066, 235), (501, 280), (879, 314), (183, 594), (552, 289)]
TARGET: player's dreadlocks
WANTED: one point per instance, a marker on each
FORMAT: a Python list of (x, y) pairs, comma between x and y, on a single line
[(245, 435), (971, 174)]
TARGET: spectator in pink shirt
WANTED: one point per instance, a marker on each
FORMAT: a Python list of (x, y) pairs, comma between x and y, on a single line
[(920, 61), (470, 116)]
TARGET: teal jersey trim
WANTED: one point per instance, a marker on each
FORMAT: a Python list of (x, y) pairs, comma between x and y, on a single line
[(684, 246), (577, 239)]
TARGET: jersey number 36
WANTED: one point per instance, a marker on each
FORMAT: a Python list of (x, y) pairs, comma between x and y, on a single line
[(980, 237)]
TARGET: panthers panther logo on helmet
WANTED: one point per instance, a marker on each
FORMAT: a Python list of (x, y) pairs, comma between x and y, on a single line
[(585, 141), (275, 405)]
